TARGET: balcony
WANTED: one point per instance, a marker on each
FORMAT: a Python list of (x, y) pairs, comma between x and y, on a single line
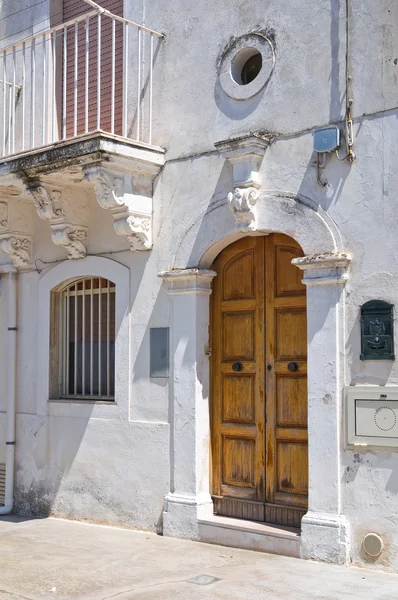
[(92, 74), (76, 109)]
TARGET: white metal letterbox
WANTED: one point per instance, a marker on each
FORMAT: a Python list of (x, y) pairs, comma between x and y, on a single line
[(371, 415)]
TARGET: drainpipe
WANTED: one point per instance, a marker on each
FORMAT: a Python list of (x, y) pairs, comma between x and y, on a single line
[(11, 388)]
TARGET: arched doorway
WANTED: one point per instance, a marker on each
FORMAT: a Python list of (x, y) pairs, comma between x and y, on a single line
[(259, 382)]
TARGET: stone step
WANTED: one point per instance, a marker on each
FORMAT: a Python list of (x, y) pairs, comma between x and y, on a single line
[(263, 537)]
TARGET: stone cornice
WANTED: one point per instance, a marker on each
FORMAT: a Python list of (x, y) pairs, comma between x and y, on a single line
[(329, 268), (188, 281), (327, 260)]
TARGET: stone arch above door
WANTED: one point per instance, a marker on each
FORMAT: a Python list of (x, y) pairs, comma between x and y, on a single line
[(283, 212)]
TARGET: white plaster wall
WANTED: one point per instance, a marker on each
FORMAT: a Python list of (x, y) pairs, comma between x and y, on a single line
[(116, 468)]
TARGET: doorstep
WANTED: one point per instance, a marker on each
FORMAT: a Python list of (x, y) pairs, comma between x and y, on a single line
[(263, 537)]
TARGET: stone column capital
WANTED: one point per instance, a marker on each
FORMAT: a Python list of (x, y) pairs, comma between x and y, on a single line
[(329, 268), (188, 281)]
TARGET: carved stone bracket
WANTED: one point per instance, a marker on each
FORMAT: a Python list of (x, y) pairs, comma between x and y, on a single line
[(73, 239), (129, 199), (18, 247), (49, 204), (245, 154)]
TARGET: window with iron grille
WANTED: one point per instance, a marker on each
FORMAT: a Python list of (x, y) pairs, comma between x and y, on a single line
[(87, 339)]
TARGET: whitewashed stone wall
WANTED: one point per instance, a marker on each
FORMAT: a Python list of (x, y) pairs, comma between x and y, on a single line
[(112, 464)]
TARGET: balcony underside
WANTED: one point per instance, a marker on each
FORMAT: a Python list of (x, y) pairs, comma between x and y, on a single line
[(56, 181)]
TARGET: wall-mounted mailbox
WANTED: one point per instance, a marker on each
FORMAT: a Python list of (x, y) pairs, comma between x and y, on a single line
[(377, 331), (159, 352), (371, 415)]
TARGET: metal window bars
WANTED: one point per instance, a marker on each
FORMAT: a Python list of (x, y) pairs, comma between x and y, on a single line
[(87, 348), (93, 73)]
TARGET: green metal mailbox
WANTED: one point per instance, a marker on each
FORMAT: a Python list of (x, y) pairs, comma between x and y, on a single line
[(377, 331)]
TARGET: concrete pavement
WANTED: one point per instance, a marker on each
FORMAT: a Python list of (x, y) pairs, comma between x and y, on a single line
[(54, 559)]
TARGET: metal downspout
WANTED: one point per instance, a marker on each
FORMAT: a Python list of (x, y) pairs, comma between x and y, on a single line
[(11, 389)]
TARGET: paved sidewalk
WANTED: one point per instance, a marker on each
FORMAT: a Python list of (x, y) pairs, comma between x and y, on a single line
[(56, 559)]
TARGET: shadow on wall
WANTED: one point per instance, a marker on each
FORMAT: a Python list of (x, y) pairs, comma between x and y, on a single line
[(46, 451)]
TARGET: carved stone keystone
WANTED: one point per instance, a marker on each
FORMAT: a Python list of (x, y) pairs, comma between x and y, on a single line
[(245, 155), (129, 198)]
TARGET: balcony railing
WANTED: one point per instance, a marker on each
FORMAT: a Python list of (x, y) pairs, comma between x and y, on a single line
[(94, 73)]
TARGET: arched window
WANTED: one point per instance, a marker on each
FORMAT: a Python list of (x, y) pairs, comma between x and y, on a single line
[(86, 339)]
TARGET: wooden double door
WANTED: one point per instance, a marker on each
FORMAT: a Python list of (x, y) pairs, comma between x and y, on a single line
[(259, 382)]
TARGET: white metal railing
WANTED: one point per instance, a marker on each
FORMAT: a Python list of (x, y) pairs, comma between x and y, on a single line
[(93, 73)]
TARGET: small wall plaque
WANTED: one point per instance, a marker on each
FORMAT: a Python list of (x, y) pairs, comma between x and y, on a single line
[(377, 331), (159, 352)]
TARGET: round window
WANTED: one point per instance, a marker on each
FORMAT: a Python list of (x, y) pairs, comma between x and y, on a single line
[(246, 66)]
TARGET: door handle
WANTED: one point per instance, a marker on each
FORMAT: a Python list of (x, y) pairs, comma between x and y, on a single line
[(292, 367), (237, 366)]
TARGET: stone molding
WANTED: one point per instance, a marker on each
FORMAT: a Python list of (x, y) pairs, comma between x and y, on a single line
[(49, 207), (188, 281), (324, 269), (245, 154), (18, 247), (131, 219)]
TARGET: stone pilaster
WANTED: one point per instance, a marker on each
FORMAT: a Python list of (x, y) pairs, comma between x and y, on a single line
[(189, 498), (324, 529)]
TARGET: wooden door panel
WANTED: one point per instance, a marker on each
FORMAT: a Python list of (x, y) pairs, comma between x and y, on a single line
[(292, 461), (239, 461), (291, 401), (238, 336), (238, 399), (286, 406), (238, 276), (291, 334), (288, 277)]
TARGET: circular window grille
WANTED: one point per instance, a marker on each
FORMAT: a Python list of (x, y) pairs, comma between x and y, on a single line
[(247, 66)]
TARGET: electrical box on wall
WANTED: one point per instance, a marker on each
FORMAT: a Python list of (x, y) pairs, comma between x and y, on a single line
[(371, 416), (326, 140)]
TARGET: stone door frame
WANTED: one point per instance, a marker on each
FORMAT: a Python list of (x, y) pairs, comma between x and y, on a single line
[(324, 532)]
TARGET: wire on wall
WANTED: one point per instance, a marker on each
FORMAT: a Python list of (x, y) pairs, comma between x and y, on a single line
[(349, 131)]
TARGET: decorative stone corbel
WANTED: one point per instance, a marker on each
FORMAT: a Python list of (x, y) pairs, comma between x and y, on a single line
[(17, 247), (245, 155), (66, 227), (129, 198), (15, 226)]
